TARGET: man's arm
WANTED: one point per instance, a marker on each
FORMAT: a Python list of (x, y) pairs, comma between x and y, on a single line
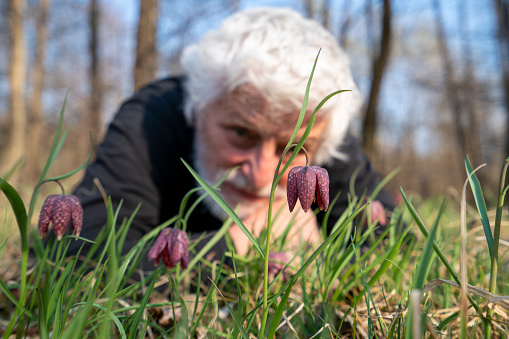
[(129, 164)]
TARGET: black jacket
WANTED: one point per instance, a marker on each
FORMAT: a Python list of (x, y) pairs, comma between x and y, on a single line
[(139, 162)]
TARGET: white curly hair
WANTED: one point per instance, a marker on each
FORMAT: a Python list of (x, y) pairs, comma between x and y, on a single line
[(273, 49)]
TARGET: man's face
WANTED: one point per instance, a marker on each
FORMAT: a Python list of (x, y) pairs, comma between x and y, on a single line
[(241, 130)]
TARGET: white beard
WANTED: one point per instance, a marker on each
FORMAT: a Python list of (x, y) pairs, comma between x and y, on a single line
[(237, 180)]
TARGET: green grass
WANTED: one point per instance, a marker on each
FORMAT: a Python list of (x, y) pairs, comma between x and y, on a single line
[(352, 288), (416, 279)]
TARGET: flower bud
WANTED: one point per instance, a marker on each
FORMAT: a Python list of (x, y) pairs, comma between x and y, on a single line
[(171, 245), (305, 183), (60, 210)]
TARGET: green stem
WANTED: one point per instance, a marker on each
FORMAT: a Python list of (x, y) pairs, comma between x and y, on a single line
[(496, 240), (266, 267), (275, 181)]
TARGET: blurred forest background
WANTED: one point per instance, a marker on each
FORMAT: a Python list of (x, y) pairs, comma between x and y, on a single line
[(434, 74)]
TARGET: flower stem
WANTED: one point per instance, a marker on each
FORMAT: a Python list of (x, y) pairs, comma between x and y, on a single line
[(306, 153), (275, 181), (61, 187), (266, 265)]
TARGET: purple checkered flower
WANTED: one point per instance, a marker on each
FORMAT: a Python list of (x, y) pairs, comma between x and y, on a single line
[(60, 210), (306, 183), (172, 245)]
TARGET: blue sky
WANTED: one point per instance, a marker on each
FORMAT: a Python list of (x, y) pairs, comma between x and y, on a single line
[(403, 102), (414, 29)]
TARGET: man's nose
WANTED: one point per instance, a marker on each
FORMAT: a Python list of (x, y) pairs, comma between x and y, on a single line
[(261, 164)]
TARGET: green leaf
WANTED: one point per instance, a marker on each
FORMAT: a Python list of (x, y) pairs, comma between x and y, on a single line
[(18, 208), (67, 175), (22, 219), (58, 289), (57, 323), (53, 151), (76, 327), (205, 249), (237, 322), (387, 262), (225, 207), (43, 330), (437, 249), (309, 261), (280, 309), (481, 204), (427, 252), (143, 304), (12, 298)]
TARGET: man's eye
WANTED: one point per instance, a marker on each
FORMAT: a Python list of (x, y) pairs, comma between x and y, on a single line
[(241, 132), (242, 137)]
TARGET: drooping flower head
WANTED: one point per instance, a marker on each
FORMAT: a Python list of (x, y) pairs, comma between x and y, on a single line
[(171, 245), (305, 183), (60, 210)]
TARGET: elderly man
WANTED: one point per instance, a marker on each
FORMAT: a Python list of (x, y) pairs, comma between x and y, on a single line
[(235, 106)]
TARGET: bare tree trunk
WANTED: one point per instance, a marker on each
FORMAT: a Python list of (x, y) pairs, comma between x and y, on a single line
[(326, 14), (502, 13), (312, 8), (146, 54), (345, 25), (309, 7), (469, 89), (94, 115), (452, 87), (379, 66), (36, 122), (16, 144)]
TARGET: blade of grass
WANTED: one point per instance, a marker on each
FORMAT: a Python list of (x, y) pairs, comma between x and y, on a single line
[(104, 330), (288, 286), (54, 146), (20, 213), (57, 322), (225, 207), (382, 183), (463, 261), (113, 317), (144, 326), (422, 271), (437, 249), (73, 172), (136, 319), (235, 333), (237, 322), (209, 299), (481, 204), (58, 289), (387, 262), (419, 278), (279, 311), (77, 326), (217, 236), (43, 329), (72, 299), (366, 293), (502, 191)]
